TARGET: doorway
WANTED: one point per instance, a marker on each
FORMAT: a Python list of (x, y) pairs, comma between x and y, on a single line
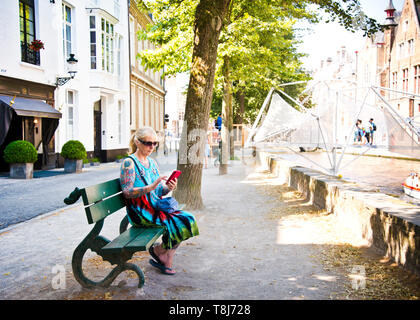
[(411, 108), (97, 129)]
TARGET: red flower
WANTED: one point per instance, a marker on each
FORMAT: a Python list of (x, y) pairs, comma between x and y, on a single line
[(36, 45)]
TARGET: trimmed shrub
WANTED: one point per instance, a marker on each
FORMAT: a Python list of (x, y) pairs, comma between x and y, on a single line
[(20, 151), (73, 149)]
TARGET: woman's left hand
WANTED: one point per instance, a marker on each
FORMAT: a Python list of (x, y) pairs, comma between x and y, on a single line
[(172, 184)]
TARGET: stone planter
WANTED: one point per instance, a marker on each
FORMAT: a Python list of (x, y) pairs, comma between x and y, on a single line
[(73, 166), (21, 170)]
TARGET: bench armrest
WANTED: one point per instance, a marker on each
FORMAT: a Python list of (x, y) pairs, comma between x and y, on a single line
[(73, 196)]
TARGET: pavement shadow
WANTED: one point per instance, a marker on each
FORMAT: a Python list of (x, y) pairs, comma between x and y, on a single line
[(48, 173)]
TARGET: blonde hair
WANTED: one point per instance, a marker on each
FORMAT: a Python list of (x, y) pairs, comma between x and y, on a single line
[(140, 134)]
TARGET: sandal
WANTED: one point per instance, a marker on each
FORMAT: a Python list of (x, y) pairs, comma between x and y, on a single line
[(154, 255), (161, 267)]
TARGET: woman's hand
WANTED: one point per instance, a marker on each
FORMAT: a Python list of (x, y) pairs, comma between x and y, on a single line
[(172, 184), (155, 184)]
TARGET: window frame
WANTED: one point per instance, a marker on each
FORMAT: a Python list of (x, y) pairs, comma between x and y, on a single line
[(107, 31), (27, 54), (70, 120), (93, 45), (67, 39), (405, 80), (417, 79)]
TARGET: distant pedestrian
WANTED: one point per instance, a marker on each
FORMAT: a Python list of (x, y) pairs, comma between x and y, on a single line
[(358, 133), (372, 127), (367, 135), (219, 122)]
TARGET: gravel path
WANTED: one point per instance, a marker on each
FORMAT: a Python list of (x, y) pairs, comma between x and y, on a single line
[(238, 254), (258, 240)]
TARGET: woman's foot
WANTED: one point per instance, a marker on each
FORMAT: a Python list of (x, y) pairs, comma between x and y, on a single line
[(165, 258)]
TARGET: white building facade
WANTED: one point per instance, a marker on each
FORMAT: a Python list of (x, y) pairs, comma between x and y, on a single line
[(94, 105)]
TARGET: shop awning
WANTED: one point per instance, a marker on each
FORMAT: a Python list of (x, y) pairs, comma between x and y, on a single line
[(31, 107)]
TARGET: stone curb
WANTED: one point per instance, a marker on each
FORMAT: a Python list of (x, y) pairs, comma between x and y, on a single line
[(390, 225)]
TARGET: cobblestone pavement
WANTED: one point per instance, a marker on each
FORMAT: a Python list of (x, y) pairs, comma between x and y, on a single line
[(25, 199)]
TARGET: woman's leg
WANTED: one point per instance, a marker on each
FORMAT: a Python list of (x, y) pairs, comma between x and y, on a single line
[(165, 255)]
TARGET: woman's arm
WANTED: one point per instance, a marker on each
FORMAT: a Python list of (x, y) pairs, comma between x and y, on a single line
[(127, 178)]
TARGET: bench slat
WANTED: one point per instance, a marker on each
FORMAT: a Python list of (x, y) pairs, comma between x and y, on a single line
[(102, 209), (124, 238), (145, 240), (135, 239), (100, 191)]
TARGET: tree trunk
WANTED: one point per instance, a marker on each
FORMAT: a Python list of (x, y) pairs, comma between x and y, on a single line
[(209, 17), (241, 98), (227, 118)]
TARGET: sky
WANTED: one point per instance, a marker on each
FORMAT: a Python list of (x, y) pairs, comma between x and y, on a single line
[(326, 39)]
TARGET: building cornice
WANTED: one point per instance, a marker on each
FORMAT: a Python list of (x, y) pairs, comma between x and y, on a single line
[(140, 77), (103, 13), (140, 17)]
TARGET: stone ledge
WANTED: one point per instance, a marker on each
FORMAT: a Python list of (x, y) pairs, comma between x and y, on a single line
[(390, 225)]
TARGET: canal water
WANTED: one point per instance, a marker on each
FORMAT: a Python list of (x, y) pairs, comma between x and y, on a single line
[(372, 171)]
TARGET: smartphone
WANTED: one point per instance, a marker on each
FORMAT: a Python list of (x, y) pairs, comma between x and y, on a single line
[(174, 175)]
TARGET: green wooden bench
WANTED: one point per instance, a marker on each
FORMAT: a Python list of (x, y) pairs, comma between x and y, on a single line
[(100, 201)]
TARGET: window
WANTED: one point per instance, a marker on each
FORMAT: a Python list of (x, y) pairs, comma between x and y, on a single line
[(405, 26), (417, 79), (27, 32), (117, 8), (394, 82), (67, 31), (107, 41), (405, 80), (119, 44), (70, 114), (92, 27), (411, 47)]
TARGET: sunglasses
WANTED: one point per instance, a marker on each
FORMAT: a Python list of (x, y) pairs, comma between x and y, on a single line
[(149, 143)]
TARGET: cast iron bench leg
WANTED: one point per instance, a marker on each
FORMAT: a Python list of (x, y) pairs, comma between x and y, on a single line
[(95, 242)]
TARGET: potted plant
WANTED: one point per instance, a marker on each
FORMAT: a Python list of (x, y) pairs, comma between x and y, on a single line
[(21, 155), (36, 45), (73, 152), (95, 162), (85, 162), (120, 157)]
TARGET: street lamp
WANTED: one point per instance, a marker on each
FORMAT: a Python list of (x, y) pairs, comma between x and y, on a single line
[(71, 71)]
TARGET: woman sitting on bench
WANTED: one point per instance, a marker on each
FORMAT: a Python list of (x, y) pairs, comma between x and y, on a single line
[(141, 199)]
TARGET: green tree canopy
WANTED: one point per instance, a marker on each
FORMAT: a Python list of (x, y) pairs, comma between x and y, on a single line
[(188, 34)]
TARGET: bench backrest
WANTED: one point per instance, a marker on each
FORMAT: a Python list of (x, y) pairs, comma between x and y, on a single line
[(102, 199)]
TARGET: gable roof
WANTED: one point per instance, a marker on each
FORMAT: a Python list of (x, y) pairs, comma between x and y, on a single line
[(416, 9)]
